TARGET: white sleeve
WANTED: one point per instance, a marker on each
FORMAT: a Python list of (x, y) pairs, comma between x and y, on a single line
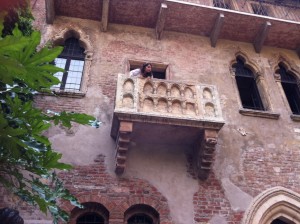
[(135, 72)]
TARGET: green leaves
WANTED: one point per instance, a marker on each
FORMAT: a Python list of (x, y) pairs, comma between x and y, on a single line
[(27, 160)]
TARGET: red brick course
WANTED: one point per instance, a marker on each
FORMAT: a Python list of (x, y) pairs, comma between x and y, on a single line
[(92, 184)]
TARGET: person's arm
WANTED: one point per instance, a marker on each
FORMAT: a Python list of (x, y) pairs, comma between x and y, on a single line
[(135, 72)]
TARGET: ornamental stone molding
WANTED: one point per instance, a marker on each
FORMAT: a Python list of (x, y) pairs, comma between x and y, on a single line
[(274, 203), (191, 108), (253, 65), (61, 35)]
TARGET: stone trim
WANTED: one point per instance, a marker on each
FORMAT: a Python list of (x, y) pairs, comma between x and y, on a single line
[(259, 113), (277, 202), (295, 117), (64, 94)]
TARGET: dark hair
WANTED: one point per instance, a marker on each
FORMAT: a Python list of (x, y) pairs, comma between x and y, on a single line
[(143, 70), (10, 216)]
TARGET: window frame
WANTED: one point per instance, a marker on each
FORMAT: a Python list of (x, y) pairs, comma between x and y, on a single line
[(262, 88), (69, 58), (58, 39), (277, 77), (156, 66), (257, 103)]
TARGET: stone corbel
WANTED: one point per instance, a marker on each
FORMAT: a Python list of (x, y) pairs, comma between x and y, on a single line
[(204, 153), (123, 141), (50, 11)]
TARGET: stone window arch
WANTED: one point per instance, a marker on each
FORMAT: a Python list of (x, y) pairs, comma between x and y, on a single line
[(289, 80), (76, 59), (141, 214), (91, 213), (250, 84), (277, 205)]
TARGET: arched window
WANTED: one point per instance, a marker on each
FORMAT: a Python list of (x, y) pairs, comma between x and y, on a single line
[(282, 221), (140, 219), (290, 87), (90, 218), (91, 213), (141, 214), (72, 60), (247, 87)]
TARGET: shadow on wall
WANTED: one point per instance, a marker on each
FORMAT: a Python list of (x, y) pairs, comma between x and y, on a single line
[(10, 216)]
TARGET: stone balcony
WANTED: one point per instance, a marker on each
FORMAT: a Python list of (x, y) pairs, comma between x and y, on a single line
[(166, 112)]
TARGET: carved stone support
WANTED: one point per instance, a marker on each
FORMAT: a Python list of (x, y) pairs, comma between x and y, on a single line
[(50, 11), (261, 37), (204, 153), (216, 30), (105, 12), (161, 20), (123, 141)]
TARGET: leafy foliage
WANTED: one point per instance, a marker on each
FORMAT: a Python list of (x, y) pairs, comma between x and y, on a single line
[(21, 16), (27, 161)]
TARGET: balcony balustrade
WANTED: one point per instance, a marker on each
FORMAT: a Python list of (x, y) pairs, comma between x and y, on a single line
[(169, 112)]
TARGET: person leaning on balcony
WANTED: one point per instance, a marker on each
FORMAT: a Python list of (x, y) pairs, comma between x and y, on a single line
[(144, 72)]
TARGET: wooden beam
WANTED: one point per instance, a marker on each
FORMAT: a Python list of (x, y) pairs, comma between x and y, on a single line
[(298, 51), (105, 11), (50, 11), (161, 20), (216, 30), (261, 37)]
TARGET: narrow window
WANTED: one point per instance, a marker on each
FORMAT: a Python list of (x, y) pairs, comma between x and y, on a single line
[(90, 218), (259, 9), (291, 89), (72, 60), (247, 87), (159, 70), (222, 4), (140, 219)]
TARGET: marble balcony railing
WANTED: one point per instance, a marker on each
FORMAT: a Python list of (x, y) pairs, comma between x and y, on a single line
[(170, 112)]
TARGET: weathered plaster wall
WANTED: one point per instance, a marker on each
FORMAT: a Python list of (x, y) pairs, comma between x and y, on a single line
[(266, 155)]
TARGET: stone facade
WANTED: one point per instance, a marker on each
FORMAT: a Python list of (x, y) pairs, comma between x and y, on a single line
[(256, 154)]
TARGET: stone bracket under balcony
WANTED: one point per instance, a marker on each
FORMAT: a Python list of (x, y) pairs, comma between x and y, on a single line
[(166, 112)]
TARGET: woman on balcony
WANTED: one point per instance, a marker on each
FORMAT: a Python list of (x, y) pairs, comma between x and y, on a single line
[(144, 72)]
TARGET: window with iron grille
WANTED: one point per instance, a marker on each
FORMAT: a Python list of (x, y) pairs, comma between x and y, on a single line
[(291, 89), (72, 60), (259, 9), (140, 219), (222, 4), (141, 214), (247, 87), (90, 218)]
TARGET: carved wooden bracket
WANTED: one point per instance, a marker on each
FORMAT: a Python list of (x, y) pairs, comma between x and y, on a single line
[(123, 141), (204, 153)]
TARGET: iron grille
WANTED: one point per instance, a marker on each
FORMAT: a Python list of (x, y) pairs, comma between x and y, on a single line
[(222, 4)]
